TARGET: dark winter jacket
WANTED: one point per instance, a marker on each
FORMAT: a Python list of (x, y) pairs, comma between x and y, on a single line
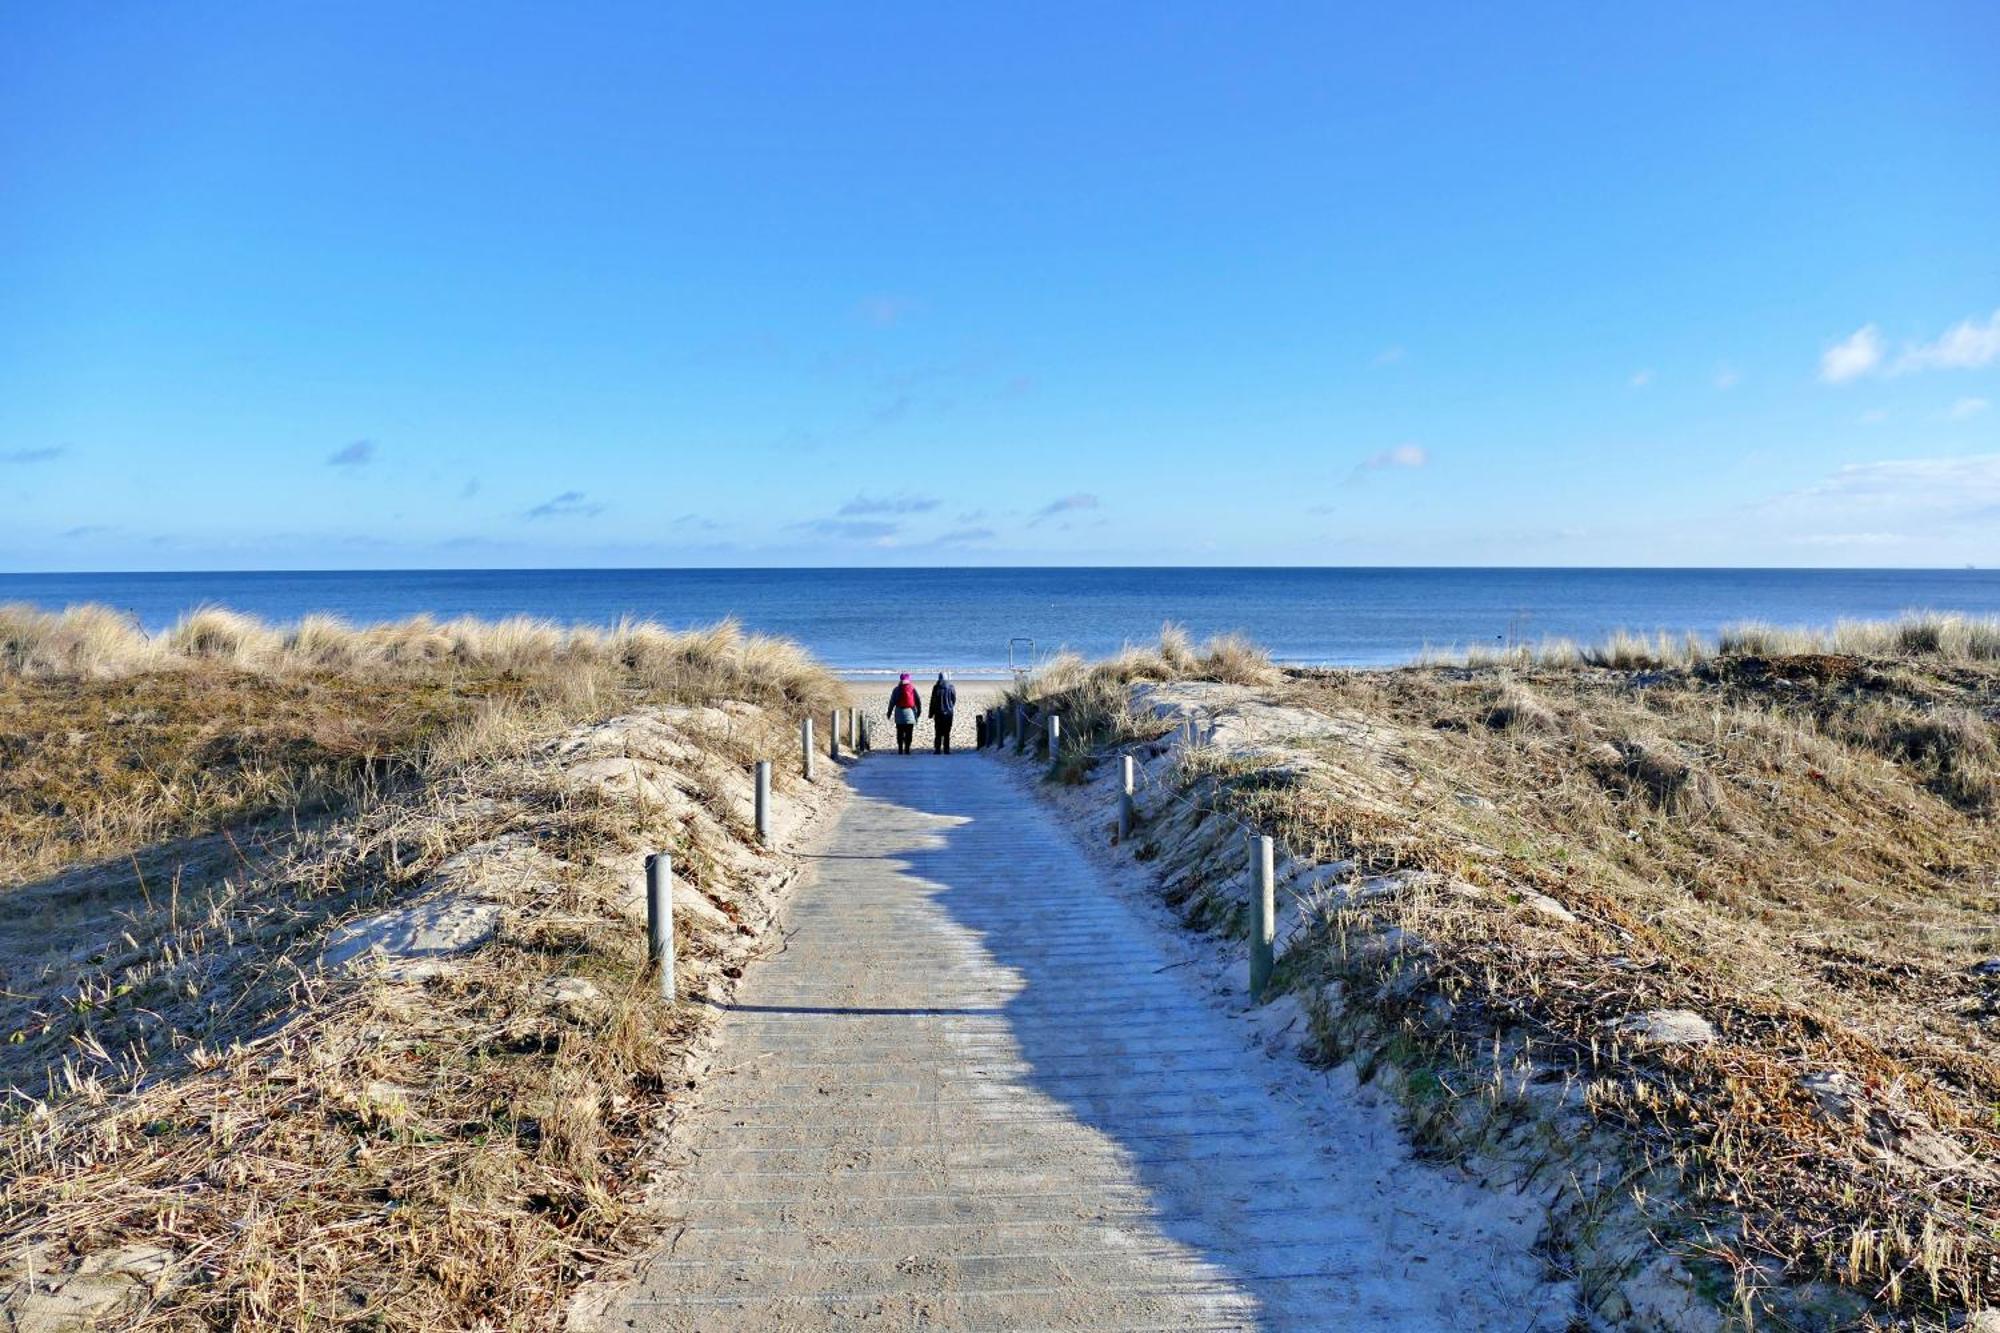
[(905, 696), (944, 698)]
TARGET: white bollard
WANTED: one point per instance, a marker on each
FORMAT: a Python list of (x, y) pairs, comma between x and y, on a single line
[(763, 803), (1126, 811), (660, 919), (806, 746), (1263, 914)]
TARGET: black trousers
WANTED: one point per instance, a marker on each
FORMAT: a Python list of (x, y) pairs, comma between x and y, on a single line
[(941, 732), (905, 732)]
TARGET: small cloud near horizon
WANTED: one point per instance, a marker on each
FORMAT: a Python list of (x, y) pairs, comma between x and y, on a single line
[(570, 504), (358, 454), (880, 532), (1405, 456), (892, 504), (1915, 493), (32, 455), (1066, 505), (961, 537)]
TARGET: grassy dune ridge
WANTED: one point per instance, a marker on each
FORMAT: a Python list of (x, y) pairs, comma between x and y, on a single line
[(1792, 836), (112, 738), (201, 1126)]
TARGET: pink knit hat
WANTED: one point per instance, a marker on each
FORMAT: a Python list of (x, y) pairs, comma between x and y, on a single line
[(906, 675)]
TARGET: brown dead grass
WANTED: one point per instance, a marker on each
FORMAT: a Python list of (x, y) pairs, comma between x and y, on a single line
[(111, 740), (185, 821), (1803, 849)]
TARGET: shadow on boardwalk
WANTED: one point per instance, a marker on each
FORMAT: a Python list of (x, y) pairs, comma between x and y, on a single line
[(976, 1091)]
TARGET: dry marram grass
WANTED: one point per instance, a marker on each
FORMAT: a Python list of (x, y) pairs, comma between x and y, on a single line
[(1794, 838), (241, 1139)]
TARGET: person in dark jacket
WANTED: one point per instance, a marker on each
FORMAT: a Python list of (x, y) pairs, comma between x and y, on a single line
[(944, 702), (905, 707)]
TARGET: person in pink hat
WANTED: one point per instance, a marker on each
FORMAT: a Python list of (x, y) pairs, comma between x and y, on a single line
[(905, 707)]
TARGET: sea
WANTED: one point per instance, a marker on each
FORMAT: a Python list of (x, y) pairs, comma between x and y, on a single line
[(986, 621)]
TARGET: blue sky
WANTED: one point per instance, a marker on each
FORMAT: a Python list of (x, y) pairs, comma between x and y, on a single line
[(433, 285)]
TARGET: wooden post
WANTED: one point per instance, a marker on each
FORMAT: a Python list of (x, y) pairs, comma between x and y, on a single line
[(1055, 741), (1020, 728), (833, 735), (806, 746), (660, 919), (1126, 810), (854, 730), (1264, 914), (763, 803)]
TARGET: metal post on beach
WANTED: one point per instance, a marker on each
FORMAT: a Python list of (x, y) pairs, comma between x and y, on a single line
[(1126, 812), (763, 803), (806, 746), (1264, 913), (660, 919)]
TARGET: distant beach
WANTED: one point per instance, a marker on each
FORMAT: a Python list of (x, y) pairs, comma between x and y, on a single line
[(980, 622)]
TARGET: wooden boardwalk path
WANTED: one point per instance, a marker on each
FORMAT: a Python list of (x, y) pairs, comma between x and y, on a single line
[(974, 1092)]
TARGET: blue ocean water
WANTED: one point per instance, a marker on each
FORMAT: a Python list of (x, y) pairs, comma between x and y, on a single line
[(967, 619)]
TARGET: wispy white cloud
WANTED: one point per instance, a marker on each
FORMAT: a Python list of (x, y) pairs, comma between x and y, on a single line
[(359, 454), (1397, 456), (1851, 539), (1914, 489), (1965, 409), (1389, 356), (1066, 505), (1727, 378), (879, 532), (570, 504), (1969, 344), (1966, 345), (1875, 416), (961, 537), (1853, 356), (1641, 378), (889, 504)]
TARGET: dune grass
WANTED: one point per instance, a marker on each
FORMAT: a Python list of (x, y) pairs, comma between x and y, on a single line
[(242, 1140), (1936, 635), (112, 739), (1794, 835)]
